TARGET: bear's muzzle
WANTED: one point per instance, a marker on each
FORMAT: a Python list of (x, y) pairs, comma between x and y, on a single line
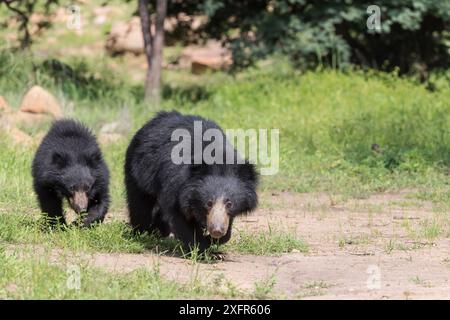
[(79, 201), (217, 220)]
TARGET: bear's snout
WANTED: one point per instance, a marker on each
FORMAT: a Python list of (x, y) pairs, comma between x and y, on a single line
[(217, 220), (79, 201)]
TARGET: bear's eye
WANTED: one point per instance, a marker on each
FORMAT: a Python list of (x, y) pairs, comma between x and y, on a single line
[(93, 160), (228, 204), (59, 160), (209, 204)]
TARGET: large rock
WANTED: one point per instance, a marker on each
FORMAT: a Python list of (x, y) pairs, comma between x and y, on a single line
[(37, 106), (212, 56), (20, 137), (24, 119), (39, 101), (16, 135), (126, 37), (4, 106), (28, 119)]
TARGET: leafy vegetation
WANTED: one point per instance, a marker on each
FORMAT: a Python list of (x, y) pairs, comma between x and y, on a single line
[(331, 33)]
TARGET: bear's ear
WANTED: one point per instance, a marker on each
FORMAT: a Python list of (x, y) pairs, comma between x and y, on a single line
[(59, 160), (248, 172)]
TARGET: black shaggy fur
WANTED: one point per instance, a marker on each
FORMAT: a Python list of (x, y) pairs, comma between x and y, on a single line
[(69, 163), (175, 198)]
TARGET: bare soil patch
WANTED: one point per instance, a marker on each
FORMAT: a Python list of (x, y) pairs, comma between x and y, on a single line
[(359, 249), (374, 248)]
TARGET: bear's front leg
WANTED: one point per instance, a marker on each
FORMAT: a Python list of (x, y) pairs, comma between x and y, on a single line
[(51, 205), (187, 233), (96, 211)]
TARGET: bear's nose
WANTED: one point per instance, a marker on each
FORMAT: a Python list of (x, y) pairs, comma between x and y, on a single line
[(79, 202), (217, 232), (79, 209)]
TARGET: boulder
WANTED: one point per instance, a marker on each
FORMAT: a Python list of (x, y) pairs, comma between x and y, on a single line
[(16, 135), (20, 137), (4, 106), (126, 37), (39, 101), (28, 119), (211, 56), (200, 65)]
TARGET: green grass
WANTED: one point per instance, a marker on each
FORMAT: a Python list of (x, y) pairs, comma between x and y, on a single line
[(313, 288), (420, 282), (37, 278), (269, 242), (431, 228), (362, 239), (264, 289), (108, 237), (328, 121), (316, 285)]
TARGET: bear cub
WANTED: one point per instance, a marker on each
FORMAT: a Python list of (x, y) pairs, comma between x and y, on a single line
[(69, 165), (194, 200)]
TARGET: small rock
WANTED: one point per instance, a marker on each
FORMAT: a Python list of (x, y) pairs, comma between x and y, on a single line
[(100, 20), (38, 100), (11, 287), (122, 126), (112, 127), (107, 138)]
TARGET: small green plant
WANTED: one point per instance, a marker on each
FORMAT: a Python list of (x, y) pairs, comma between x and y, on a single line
[(432, 229), (272, 241), (313, 288), (263, 289), (418, 281), (390, 246), (316, 285)]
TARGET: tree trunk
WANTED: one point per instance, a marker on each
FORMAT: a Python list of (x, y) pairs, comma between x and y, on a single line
[(153, 47)]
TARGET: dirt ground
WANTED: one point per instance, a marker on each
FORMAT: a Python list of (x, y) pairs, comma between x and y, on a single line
[(359, 249), (374, 248)]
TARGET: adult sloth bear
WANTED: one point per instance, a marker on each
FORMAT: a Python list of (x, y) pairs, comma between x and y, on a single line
[(69, 164), (193, 199)]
